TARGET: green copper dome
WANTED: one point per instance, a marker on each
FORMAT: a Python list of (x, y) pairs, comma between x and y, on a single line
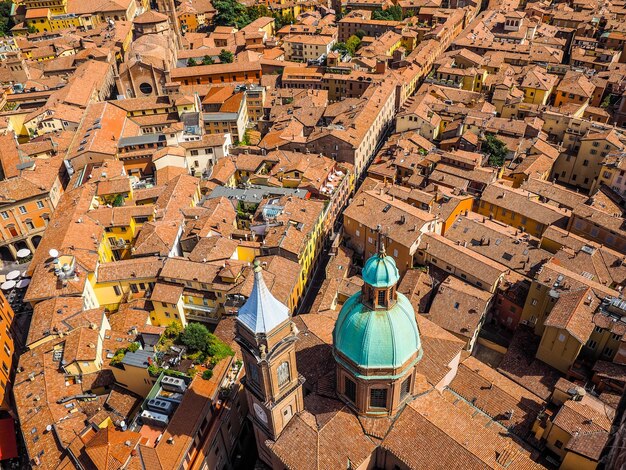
[(381, 271), (377, 338)]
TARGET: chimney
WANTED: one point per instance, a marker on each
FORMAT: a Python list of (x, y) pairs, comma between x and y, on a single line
[(381, 66)]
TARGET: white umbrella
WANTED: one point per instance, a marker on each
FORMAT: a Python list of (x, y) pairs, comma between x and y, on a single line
[(13, 275), (23, 253), (22, 283), (7, 285)]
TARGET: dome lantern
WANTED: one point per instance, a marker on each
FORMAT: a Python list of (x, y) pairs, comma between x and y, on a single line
[(380, 276)]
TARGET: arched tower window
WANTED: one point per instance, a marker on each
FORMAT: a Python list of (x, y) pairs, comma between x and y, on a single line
[(282, 371)]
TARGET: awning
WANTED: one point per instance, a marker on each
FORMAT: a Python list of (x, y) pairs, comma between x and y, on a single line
[(8, 444)]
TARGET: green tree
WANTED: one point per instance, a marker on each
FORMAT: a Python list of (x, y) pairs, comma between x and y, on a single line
[(195, 336), (393, 13), (6, 22), (283, 20), (360, 34), (245, 140), (207, 60), (207, 374), (259, 11), (173, 330), (231, 13), (191, 62), (352, 44), (340, 47), (226, 57), (496, 149), (349, 47), (217, 349), (118, 200)]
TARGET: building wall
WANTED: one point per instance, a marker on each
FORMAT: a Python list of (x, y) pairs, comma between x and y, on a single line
[(614, 178), (215, 76), (556, 439), (304, 51), (462, 206), (135, 379), (603, 344), (514, 219), (413, 122), (565, 98), (574, 461), (582, 168), (189, 22), (536, 95), (558, 348), (6, 350), (597, 233), (349, 26), (507, 312), (111, 294), (164, 313), (22, 223), (537, 306)]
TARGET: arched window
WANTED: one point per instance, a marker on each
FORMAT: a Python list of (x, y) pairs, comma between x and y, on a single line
[(381, 298), (378, 397), (283, 373), (350, 389), (252, 373), (405, 388)]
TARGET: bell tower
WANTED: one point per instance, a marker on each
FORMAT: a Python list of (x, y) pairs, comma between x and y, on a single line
[(267, 337)]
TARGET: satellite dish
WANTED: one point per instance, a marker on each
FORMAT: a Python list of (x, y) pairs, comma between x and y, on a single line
[(54, 253)]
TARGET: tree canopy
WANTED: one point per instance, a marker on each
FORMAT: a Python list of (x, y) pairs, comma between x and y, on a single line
[(496, 149), (233, 13), (6, 22), (393, 13), (226, 57), (197, 338), (350, 46)]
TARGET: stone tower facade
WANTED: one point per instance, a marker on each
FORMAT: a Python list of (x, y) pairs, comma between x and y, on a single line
[(267, 337)]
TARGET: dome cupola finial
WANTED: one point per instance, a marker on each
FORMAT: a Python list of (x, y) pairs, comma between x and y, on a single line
[(381, 242)]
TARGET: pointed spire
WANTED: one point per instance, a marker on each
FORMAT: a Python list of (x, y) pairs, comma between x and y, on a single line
[(262, 312)]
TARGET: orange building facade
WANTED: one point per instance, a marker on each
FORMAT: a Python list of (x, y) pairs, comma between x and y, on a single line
[(6, 350)]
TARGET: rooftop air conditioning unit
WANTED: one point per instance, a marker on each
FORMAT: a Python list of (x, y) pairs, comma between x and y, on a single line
[(160, 406), (153, 418), (173, 384)]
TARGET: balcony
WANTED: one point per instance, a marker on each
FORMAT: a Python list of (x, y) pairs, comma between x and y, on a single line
[(118, 244), (200, 308), (202, 318)]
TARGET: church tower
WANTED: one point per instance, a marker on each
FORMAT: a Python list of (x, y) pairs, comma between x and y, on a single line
[(376, 342), (267, 337)]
